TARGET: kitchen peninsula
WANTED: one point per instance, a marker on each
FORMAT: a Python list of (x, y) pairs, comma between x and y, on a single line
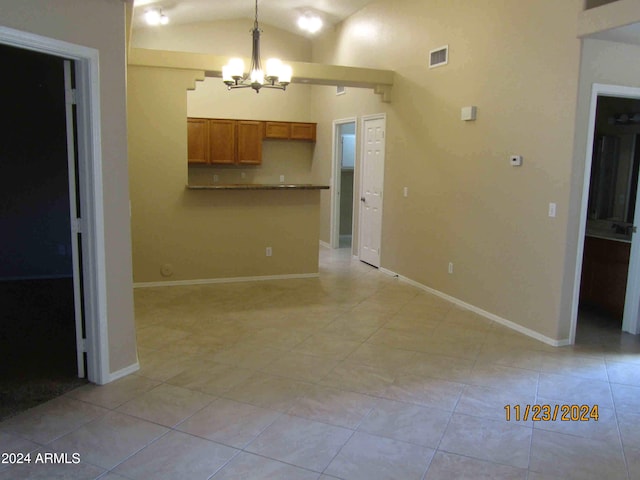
[(256, 230)]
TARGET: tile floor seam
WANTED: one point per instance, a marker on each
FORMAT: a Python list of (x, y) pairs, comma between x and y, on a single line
[(169, 430), (533, 427), (484, 460), (337, 453), (622, 447), (223, 466)]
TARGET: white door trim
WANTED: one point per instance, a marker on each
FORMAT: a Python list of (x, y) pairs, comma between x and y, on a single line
[(90, 183), (631, 308), (336, 168), (74, 219), (360, 173)]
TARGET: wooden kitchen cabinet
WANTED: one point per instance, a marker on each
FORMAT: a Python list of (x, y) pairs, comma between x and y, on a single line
[(290, 131), (277, 130), (222, 142), (213, 141), (249, 142), (198, 141), (303, 131), (605, 267)]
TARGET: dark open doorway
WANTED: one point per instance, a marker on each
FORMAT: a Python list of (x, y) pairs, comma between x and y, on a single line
[(610, 217), (37, 319)]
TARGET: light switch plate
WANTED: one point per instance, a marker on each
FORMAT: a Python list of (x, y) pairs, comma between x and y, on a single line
[(469, 114)]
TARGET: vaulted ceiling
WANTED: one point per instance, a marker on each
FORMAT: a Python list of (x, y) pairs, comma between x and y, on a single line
[(279, 13)]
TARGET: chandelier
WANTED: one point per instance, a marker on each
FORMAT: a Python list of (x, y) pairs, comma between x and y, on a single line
[(276, 76)]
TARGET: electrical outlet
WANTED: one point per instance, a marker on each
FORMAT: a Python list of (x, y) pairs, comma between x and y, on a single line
[(552, 210), (450, 267), (405, 192), (269, 251), (281, 178), (216, 179)]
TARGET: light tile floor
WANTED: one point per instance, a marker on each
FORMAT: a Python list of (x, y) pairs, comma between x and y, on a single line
[(350, 376)]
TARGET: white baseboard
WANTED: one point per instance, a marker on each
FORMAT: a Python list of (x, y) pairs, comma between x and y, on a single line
[(502, 321), (123, 372), (205, 281)]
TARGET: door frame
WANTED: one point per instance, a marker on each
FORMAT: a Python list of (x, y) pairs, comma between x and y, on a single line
[(336, 187), (630, 321), (363, 123), (87, 73)]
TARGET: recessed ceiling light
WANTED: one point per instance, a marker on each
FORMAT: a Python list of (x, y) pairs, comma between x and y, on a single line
[(310, 23)]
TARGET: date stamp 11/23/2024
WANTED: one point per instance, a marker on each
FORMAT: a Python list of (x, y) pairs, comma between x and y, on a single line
[(551, 413)]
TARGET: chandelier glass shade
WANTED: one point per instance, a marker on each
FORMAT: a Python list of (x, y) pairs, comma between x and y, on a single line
[(277, 74)]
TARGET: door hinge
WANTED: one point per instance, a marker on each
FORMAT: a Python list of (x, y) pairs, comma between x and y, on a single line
[(77, 225), (72, 96)]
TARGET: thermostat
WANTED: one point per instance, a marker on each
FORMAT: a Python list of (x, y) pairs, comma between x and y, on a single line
[(516, 160)]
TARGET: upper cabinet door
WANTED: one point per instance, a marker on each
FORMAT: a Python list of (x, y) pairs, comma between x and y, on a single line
[(250, 135), (303, 131), (222, 141), (198, 141), (281, 130)]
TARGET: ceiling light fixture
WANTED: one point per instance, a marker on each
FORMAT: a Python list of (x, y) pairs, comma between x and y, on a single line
[(278, 75), (155, 17), (310, 23)]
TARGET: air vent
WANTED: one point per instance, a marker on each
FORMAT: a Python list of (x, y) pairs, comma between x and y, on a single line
[(340, 90), (439, 57)]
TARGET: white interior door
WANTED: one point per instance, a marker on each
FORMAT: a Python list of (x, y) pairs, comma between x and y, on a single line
[(371, 189)]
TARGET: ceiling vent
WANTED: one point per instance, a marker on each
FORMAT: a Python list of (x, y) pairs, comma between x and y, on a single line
[(439, 57)]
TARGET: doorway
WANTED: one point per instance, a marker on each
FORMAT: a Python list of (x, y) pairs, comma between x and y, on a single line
[(371, 189), (37, 290), (343, 181), (609, 261), (89, 189)]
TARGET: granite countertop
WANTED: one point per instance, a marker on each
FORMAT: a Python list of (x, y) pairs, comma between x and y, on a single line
[(259, 186)]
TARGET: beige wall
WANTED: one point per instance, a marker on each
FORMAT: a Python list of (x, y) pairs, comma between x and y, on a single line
[(98, 24), (518, 62)]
